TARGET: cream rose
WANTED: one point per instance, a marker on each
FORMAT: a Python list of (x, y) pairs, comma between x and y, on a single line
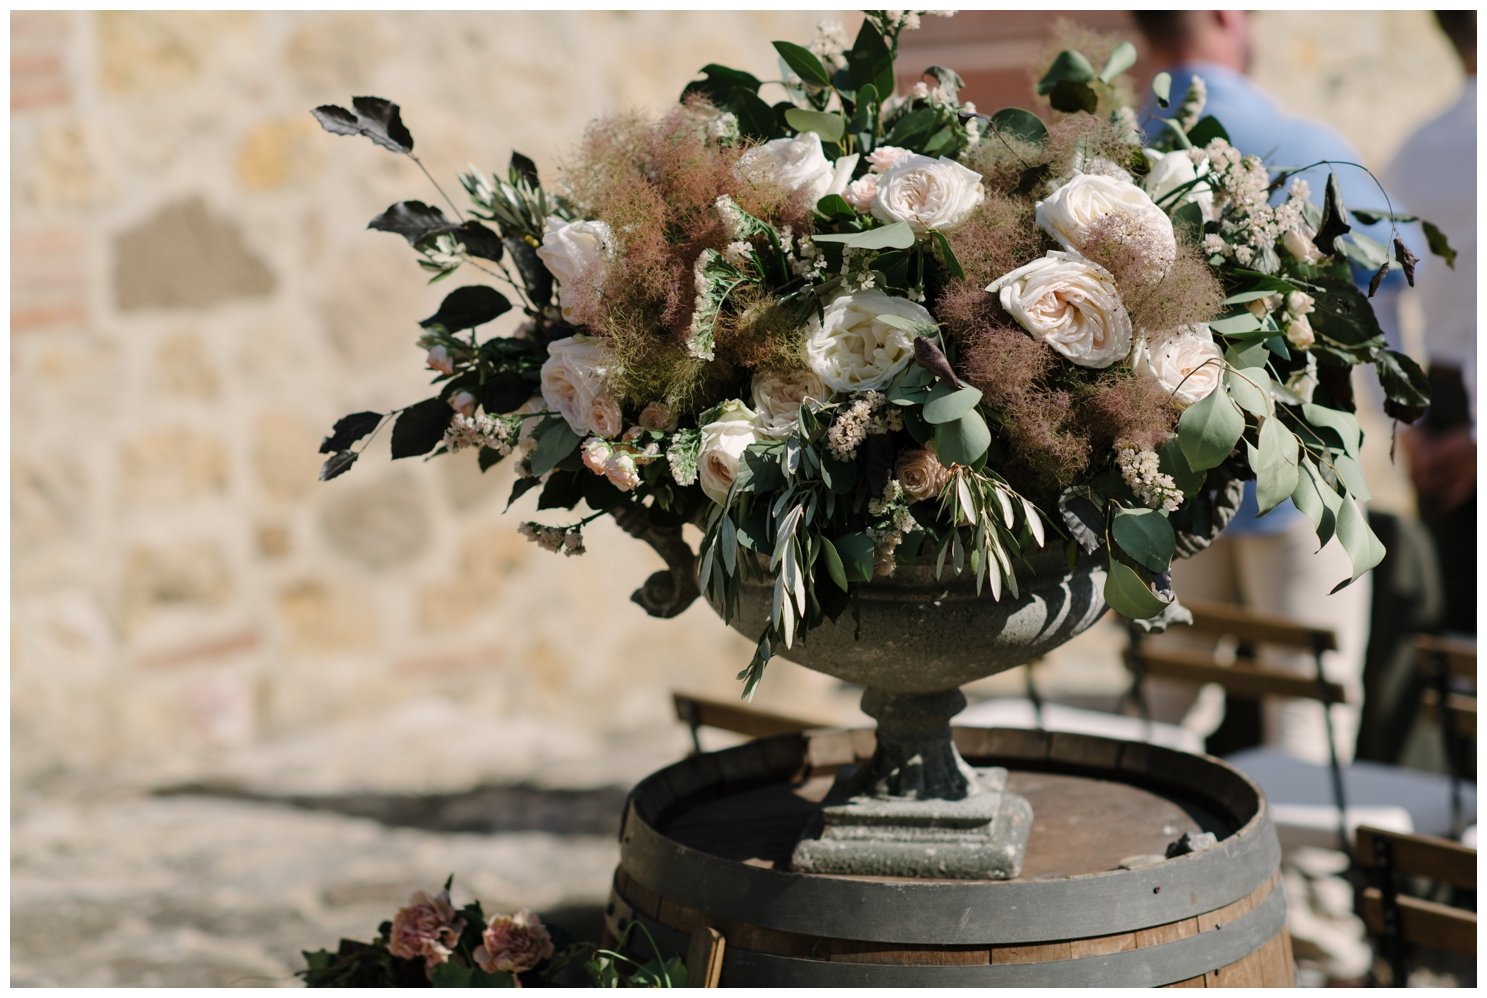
[(1299, 333), (778, 397), (851, 350), (861, 192), (1186, 362), (573, 379), (513, 944), (1175, 169), (1071, 304), (426, 927), (929, 194), (795, 164), (656, 416), (921, 474), (721, 448), (885, 158), (1090, 209), (1298, 243), (571, 249), (439, 359), (622, 472)]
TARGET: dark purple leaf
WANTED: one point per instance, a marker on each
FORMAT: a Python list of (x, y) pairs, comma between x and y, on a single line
[(420, 428), (478, 240), (522, 169), (1334, 219), (468, 307), (337, 120), (349, 429), (1377, 279), (373, 117), (1406, 259), (337, 464), (929, 356), (413, 220)]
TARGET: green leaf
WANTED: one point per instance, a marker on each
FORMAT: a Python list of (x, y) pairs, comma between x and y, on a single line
[(896, 236), (1315, 498), (1206, 130), (1236, 324), (1208, 430), (1351, 472), (1246, 354), (1172, 461), (1145, 535), (1274, 463), (914, 128), (1020, 124), (857, 552), (829, 126), (1364, 250), (804, 62), (555, 441), (1122, 59), (834, 566), (1250, 388), (1343, 424), (1342, 313), (1187, 222), (718, 81), (1068, 66), (946, 403), (1364, 549), (1248, 296), (1369, 216), (962, 441), (1128, 594), (1406, 388), (835, 206), (869, 62), (1069, 97), (1436, 240), (947, 256), (1161, 88)]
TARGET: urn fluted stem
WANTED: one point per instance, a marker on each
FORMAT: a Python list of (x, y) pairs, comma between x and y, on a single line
[(916, 757)]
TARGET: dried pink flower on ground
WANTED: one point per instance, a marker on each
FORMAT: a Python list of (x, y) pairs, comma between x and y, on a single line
[(426, 927), (513, 943)]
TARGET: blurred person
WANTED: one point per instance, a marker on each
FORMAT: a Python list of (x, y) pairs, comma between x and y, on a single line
[(1270, 564), (1435, 172)]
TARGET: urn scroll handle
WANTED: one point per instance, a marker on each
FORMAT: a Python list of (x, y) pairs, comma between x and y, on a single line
[(669, 592)]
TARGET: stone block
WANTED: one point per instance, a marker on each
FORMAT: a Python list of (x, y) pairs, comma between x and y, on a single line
[(322, 615), (39, 42), (183, 368), (381, 524), (285, 461), (48, 278), (174, 464), (280, 152), (151, 52), (183, 256), (183, 575)]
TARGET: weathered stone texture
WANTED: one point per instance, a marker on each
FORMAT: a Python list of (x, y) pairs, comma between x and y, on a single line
[(172, 465), (183, 256), (379, 524)]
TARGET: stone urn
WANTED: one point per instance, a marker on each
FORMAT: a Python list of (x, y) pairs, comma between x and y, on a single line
[(911, 640), (917, 809)]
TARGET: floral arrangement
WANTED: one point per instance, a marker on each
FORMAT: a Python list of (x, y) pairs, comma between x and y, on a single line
[(430, 943), (854, 329)]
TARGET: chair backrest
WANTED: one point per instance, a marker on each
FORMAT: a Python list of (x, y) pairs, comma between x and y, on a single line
[(1449, 666), (1253, 673), (702, 712), (1393, 861)]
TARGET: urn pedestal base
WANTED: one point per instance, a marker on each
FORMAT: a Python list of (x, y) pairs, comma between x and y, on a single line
[(980, 837)]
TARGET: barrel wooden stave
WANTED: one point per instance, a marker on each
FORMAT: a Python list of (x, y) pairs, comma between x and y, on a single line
[(763, 948)]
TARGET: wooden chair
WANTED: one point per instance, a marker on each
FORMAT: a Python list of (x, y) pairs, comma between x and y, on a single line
[(701, 712), (1449, 667), (1397, 918), (1305, 798)]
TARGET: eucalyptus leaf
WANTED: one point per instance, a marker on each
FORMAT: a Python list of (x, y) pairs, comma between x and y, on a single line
[(1068, 66), (1236, 324), (1069, 97), (555, 441), (1274, 463), (1351, 472), (1250, 389), (962, 441), (1020, 124), (1128, 594), (1364, 549), (1161, 89), (1172, 461), (1343, 424), (1121, 59), (896, 236), (1145, 535), (829, 126), (1208, 430), (1436, 240), (858, 553), (1317, 500), (946, 402)]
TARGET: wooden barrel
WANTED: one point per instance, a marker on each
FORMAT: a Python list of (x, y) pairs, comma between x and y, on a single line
[(705, 847)]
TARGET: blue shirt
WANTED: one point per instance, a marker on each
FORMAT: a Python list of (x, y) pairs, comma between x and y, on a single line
[(1257, 126)]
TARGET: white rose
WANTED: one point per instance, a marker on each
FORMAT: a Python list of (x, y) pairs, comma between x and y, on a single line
[(929, 194), (1299, 333), (778, 397), (851, 350), (721, 448), (1186, 362), (623, 473), (573, 378), (1299, 245), (1071, 304), (861, 192), (886, 158), (571, 249), (1175, 169), (595, 454), (605, 417), (1091, 208), (795, 164)]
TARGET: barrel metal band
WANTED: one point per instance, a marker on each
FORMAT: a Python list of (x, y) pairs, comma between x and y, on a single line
[(1152, 966), (953, 914)]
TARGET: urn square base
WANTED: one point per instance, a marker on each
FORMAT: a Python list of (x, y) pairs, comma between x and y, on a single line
[(982, 836)]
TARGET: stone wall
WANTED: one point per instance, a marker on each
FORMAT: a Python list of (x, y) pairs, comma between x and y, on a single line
[(195, 300)]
